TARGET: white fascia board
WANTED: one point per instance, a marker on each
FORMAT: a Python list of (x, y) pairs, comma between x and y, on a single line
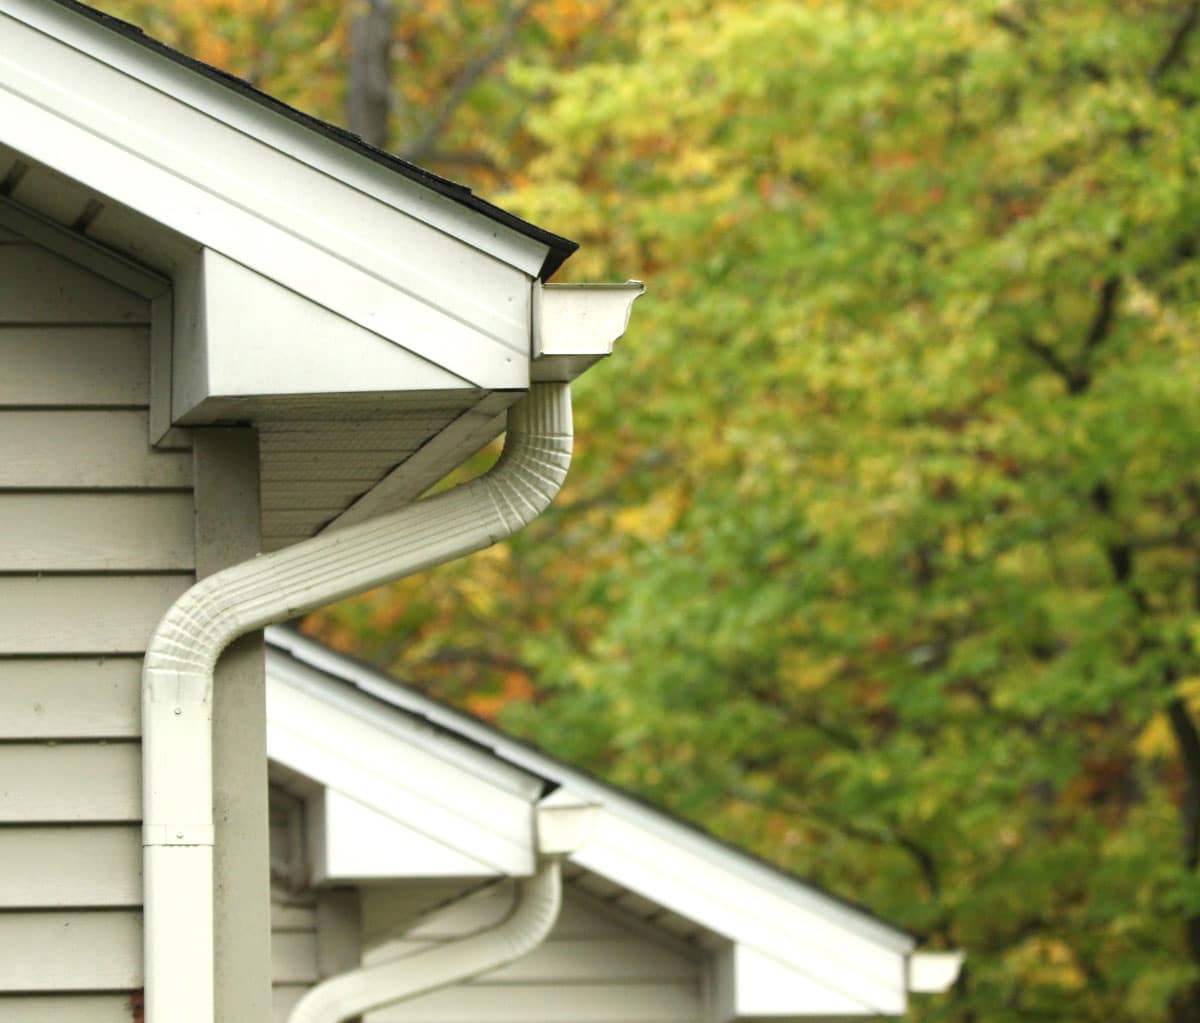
[(309, 679), (351, 843), (369, 263), (728, 864), (250, 337), (398, 779), (750, 986), (811, 944), (271, 128)]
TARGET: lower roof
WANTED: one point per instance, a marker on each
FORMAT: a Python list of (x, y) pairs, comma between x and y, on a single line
[(555, 774)]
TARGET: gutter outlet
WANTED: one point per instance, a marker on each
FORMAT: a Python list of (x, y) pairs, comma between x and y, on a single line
[(177, 675)]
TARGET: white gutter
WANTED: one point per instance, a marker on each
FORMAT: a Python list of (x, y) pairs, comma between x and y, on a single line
[(177, 676), (933, 973)]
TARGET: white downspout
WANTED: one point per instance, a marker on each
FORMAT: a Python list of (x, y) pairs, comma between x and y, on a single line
[(177, 676), (563, 823), (372, 987)]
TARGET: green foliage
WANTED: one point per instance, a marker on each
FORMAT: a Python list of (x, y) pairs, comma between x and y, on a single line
[(881, 553)]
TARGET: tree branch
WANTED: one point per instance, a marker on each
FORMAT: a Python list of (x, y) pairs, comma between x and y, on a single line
[(477, 655), (371, 72), (419, 150), (921, 857), (1179, 40), (1010, 24), (1051, 358), (1105, 314), (1187, 739)]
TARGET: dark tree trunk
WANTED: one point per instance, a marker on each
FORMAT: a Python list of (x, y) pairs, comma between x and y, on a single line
[(371, 72)]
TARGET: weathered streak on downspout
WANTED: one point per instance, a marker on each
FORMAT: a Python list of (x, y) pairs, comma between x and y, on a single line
[(177, 674)]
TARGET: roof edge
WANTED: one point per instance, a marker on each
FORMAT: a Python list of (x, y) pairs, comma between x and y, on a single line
[(559, 248)]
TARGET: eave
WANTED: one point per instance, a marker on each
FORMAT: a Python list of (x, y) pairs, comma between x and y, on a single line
[(372, 321), (779, 948)]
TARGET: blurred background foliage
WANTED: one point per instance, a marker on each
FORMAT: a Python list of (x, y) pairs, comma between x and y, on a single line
[(881, 552)]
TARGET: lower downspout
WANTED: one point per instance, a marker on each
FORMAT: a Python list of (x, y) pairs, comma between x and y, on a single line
[(177, 676), (372, 987)]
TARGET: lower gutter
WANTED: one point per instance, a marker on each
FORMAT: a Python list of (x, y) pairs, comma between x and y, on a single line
[(177, 676)]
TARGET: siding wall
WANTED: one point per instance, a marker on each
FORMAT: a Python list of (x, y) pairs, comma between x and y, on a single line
[(594, 968), (95, 542)]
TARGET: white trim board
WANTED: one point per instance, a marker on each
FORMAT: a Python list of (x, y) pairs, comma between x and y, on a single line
[(399, 780)]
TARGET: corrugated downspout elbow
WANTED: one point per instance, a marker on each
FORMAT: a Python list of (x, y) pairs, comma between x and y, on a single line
[(177, 675), (373, 987)]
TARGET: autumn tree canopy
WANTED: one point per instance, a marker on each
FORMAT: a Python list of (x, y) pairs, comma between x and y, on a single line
[(881, 553)]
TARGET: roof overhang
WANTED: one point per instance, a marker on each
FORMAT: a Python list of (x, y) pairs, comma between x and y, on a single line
[(372, 320)]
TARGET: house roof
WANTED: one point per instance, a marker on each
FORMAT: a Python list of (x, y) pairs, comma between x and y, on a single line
[(560, 248), (554, 772), (830, 945)]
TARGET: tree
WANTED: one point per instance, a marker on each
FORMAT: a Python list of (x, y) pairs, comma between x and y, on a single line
[(881, 551)]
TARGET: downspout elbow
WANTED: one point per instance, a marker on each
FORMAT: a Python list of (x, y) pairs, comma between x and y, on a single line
[(374, 987)]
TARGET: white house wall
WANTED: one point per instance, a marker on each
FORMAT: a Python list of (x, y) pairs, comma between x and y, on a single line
[(95, 542)]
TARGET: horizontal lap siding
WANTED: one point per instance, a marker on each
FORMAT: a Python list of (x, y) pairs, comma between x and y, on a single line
[(96, 950), (83, 614), (96, 541), (70, 698), (78, 449), (74, 366), (105, 1008), (69, 532), (294, 967), (549, 1003), (86, 865), (66, 782)]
